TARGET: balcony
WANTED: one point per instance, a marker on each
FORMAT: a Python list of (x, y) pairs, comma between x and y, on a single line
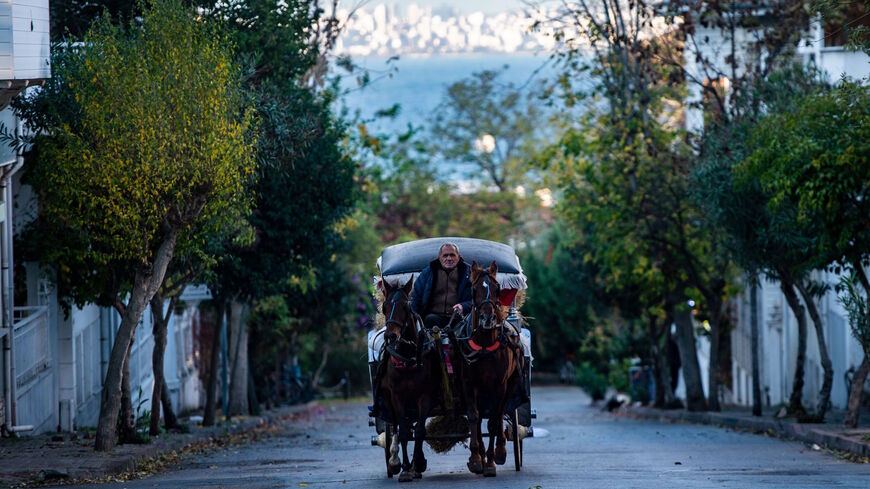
[(24, 46)]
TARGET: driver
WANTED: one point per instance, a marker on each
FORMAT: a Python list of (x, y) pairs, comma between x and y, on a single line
[(443, 288)]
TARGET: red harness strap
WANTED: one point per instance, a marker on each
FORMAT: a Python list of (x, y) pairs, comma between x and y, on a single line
[(447, 359), (398, 363), (474, 346)]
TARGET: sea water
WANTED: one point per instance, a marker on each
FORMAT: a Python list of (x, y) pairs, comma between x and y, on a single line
[(419, 83)]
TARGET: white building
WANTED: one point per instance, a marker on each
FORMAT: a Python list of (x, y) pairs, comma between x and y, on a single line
[(27, 375), (777, 324)]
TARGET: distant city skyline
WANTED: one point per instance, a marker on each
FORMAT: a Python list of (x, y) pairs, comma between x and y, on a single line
[(430, 27), (461, 6)]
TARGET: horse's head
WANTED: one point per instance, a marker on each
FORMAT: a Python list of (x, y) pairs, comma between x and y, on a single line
[(485, 290), (397, 311)]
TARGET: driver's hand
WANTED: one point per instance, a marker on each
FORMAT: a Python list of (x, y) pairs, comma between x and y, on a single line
[(457, 308)]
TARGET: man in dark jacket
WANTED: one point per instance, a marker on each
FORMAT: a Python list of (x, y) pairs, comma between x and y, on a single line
[(442, 288)]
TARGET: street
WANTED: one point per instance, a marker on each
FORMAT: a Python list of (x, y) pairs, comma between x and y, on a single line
[(580, 447)]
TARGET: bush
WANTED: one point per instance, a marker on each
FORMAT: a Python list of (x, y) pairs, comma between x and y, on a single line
[(618, 376), (592, 381)]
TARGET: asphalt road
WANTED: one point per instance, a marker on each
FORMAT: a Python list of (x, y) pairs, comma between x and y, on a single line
[(582, 447)]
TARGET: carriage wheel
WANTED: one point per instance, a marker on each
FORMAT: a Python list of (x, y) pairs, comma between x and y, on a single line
[(388, 428), (518, 442)]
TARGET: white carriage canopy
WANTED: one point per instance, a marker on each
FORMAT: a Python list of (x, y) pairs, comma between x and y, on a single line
[(400, 262)]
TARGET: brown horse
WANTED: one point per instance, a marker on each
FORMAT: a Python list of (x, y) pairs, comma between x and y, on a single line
[(411, 381), (490, 373)]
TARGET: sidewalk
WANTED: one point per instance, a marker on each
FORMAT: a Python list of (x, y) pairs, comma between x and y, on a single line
[(830, 434), (63, 458)]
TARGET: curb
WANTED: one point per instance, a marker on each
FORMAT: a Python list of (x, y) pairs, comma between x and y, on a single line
[(808, 433), (117, 464)]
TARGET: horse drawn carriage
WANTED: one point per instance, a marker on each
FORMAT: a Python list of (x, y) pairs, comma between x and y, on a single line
[(479, 367)]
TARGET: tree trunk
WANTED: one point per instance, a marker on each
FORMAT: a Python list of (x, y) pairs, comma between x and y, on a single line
[(853, 410), (159, 330), (857, 390), (170, 421), (209, 416), (253, 402), (664, 394), (827, 382), (695, 400), (324, 357), (127, 415), (713, 372), (145, 284), (238, 348), (753, 335), (795, 405)]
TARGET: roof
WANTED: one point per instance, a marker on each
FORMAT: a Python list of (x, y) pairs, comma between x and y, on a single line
[(409, 258)]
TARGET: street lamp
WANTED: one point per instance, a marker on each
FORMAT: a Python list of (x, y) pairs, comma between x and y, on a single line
[(485, 143)]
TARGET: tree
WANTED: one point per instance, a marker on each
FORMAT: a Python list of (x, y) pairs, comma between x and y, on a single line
[(764, 237), (195, 261), (305, 180), (815, 159), (141, 135), (491, 128), (627, 163)]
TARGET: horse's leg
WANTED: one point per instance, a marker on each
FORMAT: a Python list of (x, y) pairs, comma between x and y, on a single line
[(419, 461), (489, 465), (395, 464), (474, 461), (510, 386), (496, 432), (407, 474)]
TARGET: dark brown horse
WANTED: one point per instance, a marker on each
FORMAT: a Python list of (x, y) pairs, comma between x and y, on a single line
[(411, 381), (490, 373)]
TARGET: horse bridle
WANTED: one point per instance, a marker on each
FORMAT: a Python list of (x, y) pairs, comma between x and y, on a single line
[(410, 317), (491, 319)]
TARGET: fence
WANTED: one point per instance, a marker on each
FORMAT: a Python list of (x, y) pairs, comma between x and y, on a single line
[(34, 391)]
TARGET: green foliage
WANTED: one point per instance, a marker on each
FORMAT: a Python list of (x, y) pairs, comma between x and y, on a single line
[(71, 19), (491, 128), (305, 183), (406, 198), (858, 309), (618, 376), (563, 303), (592, 381), (142, 132), (816, 158), (762, 237)]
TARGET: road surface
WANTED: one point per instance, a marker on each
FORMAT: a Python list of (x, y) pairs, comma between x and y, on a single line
[(582, 447)]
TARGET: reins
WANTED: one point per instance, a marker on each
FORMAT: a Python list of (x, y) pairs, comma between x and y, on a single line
[(418, 344)]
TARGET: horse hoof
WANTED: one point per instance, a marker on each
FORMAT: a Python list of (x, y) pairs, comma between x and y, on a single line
[(396, 468), (418, 475), (475, 468), (406, 476), (489, 471), (500, 455)]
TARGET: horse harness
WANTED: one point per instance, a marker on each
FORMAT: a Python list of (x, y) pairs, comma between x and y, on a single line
[(471, 351), (398, 360)]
